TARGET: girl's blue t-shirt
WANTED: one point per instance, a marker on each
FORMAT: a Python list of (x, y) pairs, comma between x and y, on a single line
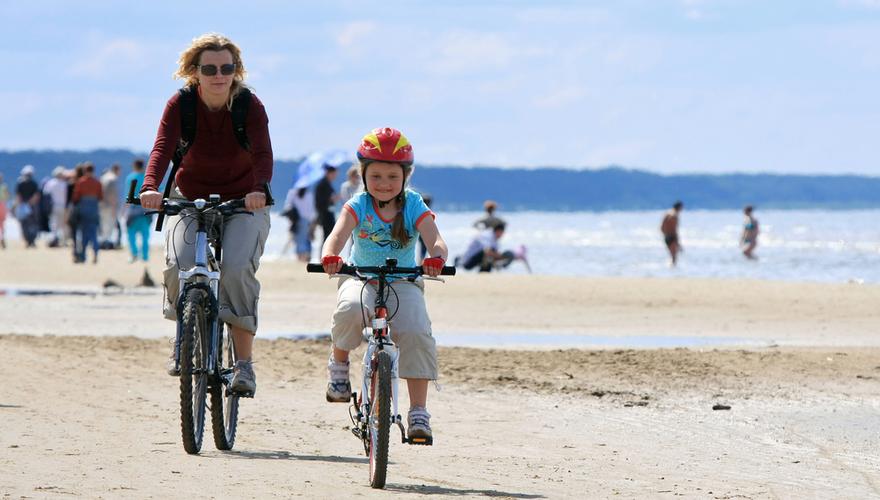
[(373, 242)]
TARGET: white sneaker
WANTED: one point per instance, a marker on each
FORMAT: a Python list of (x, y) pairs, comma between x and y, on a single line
[(419, 425), (338, 385)]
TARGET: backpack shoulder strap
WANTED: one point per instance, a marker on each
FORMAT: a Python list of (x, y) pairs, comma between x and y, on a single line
[(240, 106), (187, 103), (187, 120)]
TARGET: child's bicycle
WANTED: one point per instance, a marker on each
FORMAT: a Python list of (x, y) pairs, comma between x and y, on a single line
[(373, 413), (204, 348)]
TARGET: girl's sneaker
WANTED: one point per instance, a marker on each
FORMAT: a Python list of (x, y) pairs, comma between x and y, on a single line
[(419, 426), (338, 386)]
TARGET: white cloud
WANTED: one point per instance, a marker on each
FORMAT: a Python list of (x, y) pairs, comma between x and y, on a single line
[(352, 34), (868, 4), (462, 52), (113, 56), (560, 97)]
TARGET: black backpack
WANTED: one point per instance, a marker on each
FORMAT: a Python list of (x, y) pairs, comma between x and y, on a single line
[(188, 100)]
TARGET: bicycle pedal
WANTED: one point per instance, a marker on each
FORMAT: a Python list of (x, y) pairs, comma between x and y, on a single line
[(241, 394), (422, 441)]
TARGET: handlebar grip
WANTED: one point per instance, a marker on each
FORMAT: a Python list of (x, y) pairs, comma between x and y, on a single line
[(314, 267), (268, 190), (447, 271), (131, 200)]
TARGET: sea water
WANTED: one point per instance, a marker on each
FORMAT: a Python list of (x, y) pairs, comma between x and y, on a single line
[(794, 245)]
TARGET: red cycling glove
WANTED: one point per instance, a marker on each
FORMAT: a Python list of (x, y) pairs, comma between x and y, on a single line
[(329, 260), (433, 262)]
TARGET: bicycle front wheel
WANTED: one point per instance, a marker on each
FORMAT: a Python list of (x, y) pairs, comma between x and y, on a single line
[(224, 405), (380, 420), (193, 370)]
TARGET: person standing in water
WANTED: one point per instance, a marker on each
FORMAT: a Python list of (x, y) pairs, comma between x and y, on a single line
[(669, 228), (749, 239)]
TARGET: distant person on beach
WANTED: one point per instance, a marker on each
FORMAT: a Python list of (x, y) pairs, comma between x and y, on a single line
[(303, 202), (290, 212), (325, 199), (669, 228), (55, 189), (483, 251), (87, 196), (385, 222), (352, 184), (111, 234), (489, 220), (26, 207), (216, 163), (749, 239), (72, 177), (137, 222), (4, 199), (347, 191)]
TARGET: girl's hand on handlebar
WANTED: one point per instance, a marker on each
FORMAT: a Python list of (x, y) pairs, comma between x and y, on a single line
[(151, 200), (254, 201), (332, 263), (433, 265)]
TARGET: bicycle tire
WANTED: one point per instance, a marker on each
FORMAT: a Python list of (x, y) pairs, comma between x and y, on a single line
[(380, 420), (224, 407), (193, 376)]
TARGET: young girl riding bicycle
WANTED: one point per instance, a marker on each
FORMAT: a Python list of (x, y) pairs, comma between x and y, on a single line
[(386, 221)]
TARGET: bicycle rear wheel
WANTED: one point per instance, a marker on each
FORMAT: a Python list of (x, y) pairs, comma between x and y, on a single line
[(380, 420), (193, 370), (224, 406)]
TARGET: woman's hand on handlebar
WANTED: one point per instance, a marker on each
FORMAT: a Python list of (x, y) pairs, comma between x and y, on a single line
[(332, 263), (151, 200), (254, 201)]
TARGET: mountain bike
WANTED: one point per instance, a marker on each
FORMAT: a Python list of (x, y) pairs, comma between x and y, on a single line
[(374, 410), (204, 347)]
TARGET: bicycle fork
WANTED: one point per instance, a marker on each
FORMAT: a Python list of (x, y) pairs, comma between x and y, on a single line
[(361, 419)]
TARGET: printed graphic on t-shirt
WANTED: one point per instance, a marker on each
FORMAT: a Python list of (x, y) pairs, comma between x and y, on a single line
[(378, 232)]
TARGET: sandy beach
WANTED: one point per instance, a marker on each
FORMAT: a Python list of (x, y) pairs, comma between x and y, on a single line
[(793, 369)]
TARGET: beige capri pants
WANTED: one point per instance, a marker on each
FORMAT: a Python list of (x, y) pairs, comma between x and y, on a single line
[(244, 237), (410, 327)]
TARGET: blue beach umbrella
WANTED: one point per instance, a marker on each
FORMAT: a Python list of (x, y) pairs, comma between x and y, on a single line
[(311, 169)]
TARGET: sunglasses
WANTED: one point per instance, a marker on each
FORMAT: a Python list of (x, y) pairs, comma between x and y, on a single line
[(211, 69)]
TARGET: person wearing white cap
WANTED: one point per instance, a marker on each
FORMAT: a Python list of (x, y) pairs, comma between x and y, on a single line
[(56, 190), (27, 198)]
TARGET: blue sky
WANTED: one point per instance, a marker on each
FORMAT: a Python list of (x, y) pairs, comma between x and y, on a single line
[(670, 86)]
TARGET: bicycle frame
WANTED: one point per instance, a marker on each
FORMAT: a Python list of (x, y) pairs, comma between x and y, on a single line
[(380, 340), (204, 274)]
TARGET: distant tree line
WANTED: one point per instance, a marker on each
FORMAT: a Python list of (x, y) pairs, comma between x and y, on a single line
[(550, 188)]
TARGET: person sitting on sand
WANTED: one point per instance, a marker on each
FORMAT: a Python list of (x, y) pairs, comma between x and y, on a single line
[(669, 228), (483, 251), (749, 239)]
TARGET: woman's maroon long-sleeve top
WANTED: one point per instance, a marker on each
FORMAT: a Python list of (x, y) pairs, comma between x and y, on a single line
[(215, 163)]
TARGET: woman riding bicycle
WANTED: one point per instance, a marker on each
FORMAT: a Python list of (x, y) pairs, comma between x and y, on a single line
[(386, 220), (216, 163)]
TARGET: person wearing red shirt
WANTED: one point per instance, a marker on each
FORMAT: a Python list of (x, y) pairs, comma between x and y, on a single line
[(216, 164), (87, 194)]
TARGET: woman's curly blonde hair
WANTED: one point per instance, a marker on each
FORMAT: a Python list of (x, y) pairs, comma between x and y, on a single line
[(187, 65)]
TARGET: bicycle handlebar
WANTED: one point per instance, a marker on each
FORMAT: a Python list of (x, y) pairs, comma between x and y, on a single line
[(381, 270), (174, 207)]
